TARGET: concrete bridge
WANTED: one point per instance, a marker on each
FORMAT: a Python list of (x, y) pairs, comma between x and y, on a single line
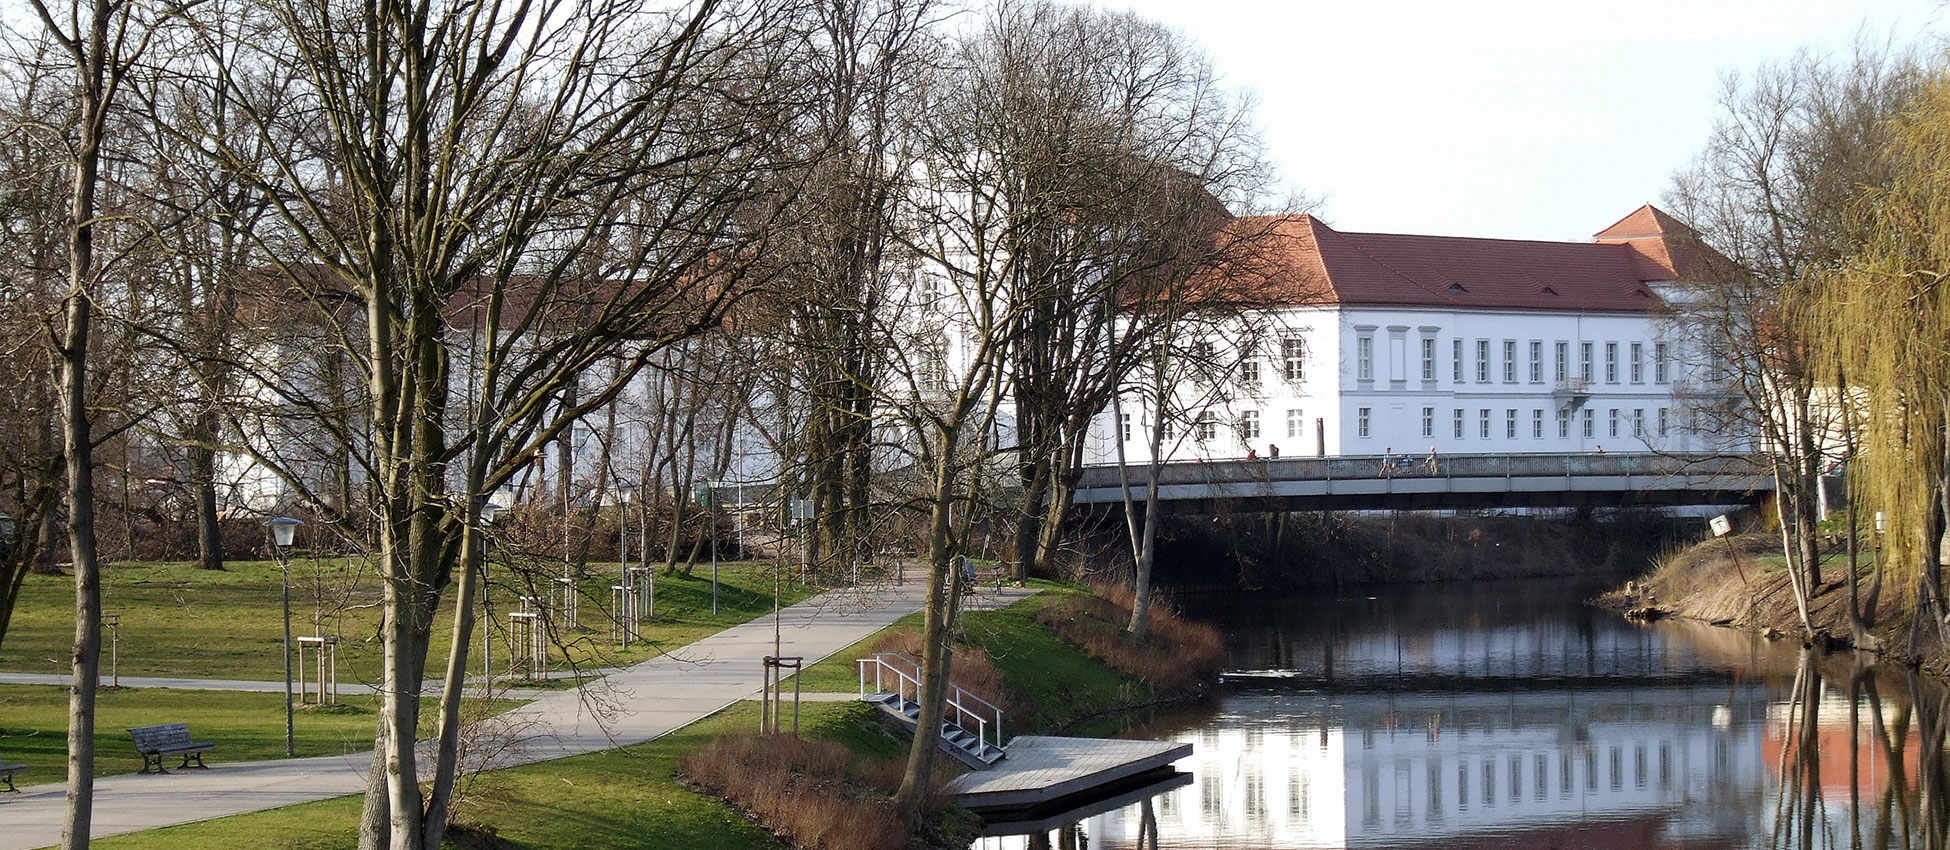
[(1462, 481)]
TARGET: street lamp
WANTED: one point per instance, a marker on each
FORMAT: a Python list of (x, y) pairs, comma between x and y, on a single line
[(489, 514), (282, 529), (707, 490)]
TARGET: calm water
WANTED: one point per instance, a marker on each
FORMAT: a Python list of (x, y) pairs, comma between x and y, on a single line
[(1510, 716)]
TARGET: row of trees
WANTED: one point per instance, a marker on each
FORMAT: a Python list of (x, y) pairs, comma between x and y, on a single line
[(1821, 190), (400, 256)]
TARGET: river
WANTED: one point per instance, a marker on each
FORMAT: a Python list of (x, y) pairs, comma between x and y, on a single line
[(1510, 715)]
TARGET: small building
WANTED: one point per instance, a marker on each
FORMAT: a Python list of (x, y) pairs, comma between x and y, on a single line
[(1379, 342)]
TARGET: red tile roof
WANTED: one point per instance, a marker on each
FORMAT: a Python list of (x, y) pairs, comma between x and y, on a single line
[(1324, 265)]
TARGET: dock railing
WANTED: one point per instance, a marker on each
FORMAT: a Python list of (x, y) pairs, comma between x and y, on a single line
[(969, 711)]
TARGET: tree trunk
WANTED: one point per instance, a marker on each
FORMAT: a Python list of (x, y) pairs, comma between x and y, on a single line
[(937, 616), (78, 446), (203, 479)]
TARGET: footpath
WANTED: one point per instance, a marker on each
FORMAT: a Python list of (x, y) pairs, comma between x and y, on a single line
[(630, 706)]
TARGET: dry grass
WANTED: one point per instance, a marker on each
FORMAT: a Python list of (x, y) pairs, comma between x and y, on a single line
[(972, 669), (814, 794), (1174, 655)]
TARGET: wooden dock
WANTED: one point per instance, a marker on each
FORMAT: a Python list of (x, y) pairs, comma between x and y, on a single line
[(1052, 774)]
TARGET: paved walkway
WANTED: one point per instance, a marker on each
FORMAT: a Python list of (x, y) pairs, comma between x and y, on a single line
[(637, 704)]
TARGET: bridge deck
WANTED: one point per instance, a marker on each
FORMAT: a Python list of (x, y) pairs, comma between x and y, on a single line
[(1456, 481)]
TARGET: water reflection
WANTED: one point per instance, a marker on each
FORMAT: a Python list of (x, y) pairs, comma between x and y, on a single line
[(1515, 717)]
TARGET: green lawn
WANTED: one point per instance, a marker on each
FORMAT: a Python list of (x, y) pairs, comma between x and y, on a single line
[(622, 799), (1060, 682), (177, 620), (244, 726)]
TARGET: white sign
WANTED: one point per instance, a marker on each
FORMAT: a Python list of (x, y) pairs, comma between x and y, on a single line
[(1721, 525), (802, 509)]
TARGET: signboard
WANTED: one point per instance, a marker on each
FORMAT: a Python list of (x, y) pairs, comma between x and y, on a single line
[(802, 509), (1721, 525)]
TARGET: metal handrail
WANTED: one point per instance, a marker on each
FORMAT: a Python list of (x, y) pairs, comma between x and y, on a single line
[(958, 697)]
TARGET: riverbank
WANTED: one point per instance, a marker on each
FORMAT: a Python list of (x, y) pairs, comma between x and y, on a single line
[(1053, 662), (1741, 582)]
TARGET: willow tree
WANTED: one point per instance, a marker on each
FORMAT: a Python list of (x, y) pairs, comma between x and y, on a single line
[(1794, 143), (1886, 318)]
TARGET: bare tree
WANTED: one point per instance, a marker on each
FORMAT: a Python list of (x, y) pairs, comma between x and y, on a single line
[(1769, 193)]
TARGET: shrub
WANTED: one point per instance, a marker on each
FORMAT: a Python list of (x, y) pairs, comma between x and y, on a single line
[(972, 668), (813, 793), (1174, 655)]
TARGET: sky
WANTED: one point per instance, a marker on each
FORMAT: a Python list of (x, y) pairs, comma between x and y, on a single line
[(1517, 120)]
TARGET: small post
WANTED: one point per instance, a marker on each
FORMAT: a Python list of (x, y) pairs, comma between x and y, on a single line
[(1723, 526), (114, 624)]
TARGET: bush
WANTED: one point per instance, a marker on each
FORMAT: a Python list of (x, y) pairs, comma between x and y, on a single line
[(813, 793), (1175, 654), (972, 668)]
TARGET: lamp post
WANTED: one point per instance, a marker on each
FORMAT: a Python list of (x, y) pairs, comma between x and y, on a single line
[(490, 513), (282, 530)]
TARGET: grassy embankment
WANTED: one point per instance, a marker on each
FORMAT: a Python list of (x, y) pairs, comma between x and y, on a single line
[(180, 621), (1742, 582), (244, 726), (632, 797)]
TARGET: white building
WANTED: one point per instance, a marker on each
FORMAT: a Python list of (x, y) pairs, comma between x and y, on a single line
[(1460, 345)]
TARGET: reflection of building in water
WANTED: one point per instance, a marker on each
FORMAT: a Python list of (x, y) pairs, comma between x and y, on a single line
[(1852, 761), (1524, 650), (1307, 770)]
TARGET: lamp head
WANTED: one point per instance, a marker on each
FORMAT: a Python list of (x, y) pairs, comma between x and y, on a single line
[(282, 530)]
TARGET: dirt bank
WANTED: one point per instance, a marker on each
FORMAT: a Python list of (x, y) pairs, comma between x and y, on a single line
[(1741, 583)]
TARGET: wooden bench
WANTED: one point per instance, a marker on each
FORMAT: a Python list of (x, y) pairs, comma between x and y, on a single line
[(7, 772), (169, 739)]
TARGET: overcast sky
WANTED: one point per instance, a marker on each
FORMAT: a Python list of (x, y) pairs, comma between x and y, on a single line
[(1524, 120)]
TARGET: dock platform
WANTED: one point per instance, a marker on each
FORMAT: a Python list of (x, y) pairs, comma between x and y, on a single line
[(1041, 771)]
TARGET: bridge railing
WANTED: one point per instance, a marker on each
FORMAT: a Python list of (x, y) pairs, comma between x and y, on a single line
[(1476, 466)]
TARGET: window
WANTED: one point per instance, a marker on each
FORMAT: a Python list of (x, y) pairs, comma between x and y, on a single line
[(1482, 361), (1613, 418), (1510, 424), (1428, 421), (1563, 423), (1208, 427), (1563, 360), (1428, 359), (1293, 350), (1587, 422), (1638, 422), (1364, 358), (1296, 423), (1124, 425), (1249, 425), (1611, 363), (1483, 423), (1249, 372), (1584, 361), (1638, 363), (1361, 422), (1536, 361), (1459, 423), (1202, 351), (1660, 355), (1458, 371), (1536, 423), (1509, 361), (1662, 422), (1164, 428)]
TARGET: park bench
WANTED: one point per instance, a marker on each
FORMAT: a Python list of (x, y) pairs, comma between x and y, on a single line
[(169, 739), (7, 772)]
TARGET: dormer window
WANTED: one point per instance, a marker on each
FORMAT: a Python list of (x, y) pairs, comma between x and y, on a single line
[(1457, 287), (1550, 290)]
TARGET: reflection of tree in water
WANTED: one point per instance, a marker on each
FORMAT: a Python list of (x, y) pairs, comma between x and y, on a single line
[(1862, 760)]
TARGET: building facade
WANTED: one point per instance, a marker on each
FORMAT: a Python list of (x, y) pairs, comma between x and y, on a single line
[(1411, 344)]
